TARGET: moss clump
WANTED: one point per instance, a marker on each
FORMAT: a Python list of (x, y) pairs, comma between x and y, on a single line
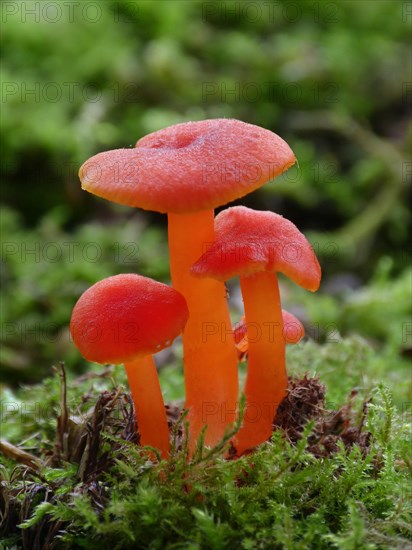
[(327, 479)]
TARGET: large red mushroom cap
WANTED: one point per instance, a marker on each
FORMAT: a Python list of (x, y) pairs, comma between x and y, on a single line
[(126, 316), (249, 241), (189, 167)]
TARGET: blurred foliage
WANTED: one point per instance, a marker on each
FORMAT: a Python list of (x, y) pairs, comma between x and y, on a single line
[(329, 77), (78, 81), (44, 271)]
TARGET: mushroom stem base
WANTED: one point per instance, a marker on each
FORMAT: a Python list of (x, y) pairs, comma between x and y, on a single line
[(148, 403), (266, 380)]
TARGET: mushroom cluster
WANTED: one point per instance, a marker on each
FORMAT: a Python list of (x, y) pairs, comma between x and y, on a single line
[(186, 171)]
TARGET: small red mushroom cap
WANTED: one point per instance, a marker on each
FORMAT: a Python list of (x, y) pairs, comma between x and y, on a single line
[(189, 167), (293, 331), (249, 241), (126, 316)]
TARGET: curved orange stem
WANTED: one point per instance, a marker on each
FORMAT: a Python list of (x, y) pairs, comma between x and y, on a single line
[(266, 380), (148, 403), (210, 360)]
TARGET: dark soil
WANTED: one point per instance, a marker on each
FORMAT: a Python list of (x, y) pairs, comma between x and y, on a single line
[(305, 401)]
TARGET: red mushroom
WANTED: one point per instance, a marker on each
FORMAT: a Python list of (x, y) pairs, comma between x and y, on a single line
[(257, 245), (293, 332), (125, 319), (186, 171)]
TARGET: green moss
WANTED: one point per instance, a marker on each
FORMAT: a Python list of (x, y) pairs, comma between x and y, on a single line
[(281, 496)]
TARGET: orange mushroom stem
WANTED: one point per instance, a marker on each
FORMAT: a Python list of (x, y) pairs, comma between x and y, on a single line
[(148, 403), (210, 361), (266, 380)]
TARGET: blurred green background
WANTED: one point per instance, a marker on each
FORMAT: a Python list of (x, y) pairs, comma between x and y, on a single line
[(332, 78)]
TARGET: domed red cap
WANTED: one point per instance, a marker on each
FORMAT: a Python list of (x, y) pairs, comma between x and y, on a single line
[(189, 167), (248, 241), (293, 331), (126, 316)]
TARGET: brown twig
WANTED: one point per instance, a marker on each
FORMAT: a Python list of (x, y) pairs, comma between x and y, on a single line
[(17, 454)]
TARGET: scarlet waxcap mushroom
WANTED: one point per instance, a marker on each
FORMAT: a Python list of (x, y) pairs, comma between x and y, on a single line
[(249, 241), (293, 329), (189, 167), (256, 245), (127, 316), (125, 319), (187, 170)]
